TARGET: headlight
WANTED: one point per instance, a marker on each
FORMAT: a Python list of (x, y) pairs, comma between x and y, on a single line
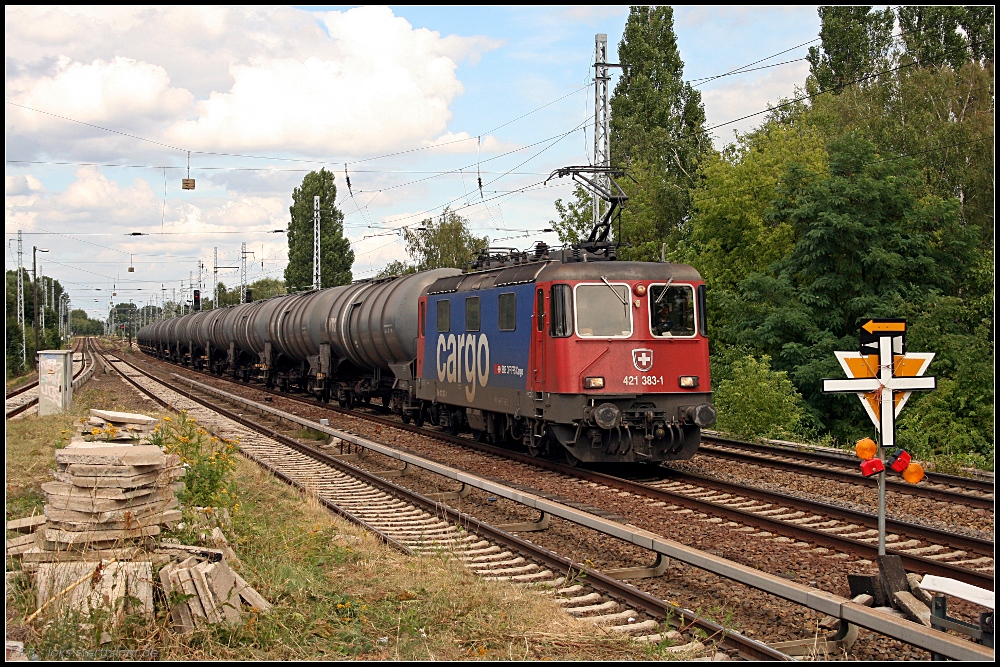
[(593, 383), (689, 381)]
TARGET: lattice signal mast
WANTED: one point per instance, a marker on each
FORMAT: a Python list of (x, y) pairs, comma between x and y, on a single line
[(602, 122), (20, 298), (316, 258), (602, 126), (243, 273)]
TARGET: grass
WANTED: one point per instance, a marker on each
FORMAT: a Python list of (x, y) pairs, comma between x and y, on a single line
[(338, 593)]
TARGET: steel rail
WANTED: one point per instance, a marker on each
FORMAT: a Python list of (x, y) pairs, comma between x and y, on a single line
[(914, 563), (655, 607), (970, 483), (852, 478), (21, 390)]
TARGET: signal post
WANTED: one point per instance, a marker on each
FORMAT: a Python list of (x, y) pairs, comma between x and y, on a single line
[(883, 375)]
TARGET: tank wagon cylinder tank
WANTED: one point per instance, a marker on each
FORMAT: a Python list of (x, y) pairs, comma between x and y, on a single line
[(372, 325), (205, 327), (241, 329), (259, 320)]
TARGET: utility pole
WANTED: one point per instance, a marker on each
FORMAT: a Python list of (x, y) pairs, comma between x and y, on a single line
[(20, 300), (316, 258), (243, 273), (45, 298), (215, 277)]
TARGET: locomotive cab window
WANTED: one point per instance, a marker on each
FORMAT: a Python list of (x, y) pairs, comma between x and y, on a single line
[(540, 309), (507, 317), (444, 315), (472, 313), (562, 311), (671, 310), (603, 311)]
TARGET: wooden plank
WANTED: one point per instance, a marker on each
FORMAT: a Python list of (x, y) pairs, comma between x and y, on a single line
[(28, 524)]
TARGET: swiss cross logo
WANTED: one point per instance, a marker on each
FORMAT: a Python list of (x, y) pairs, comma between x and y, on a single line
[(642, 358), (496, 369)]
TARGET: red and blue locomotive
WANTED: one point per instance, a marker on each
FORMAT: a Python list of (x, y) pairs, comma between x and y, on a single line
[(605, 360)]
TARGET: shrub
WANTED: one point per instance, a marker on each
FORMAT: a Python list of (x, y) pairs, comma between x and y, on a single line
[(755, 401), (208, 461)]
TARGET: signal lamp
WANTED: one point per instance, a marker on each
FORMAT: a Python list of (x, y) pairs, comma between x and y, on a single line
[(688, 381), (866, 448), (593, 383), (872, 467), (899, 460), (913, 473), (639, 290)]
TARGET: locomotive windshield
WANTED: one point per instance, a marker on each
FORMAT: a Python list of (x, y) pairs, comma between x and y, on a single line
[(671, 310), (603, 311)]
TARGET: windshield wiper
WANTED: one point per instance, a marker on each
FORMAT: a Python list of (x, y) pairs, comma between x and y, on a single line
[(663, 293), (620, 297)]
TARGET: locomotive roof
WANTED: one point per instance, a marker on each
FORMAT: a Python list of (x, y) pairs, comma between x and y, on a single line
[(553, 270)]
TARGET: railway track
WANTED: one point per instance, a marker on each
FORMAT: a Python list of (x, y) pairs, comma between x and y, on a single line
[(967, 491), (26, 397), (923, 549), (417, 523)]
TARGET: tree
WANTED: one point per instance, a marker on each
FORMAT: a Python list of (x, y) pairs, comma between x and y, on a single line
[(938, 36), (657, 133), (397, 267), (336, 255), (856, 43), (868, 245), (757, 402), (446, 242)]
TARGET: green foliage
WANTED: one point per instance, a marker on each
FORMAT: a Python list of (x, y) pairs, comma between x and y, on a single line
[(336, 255), (396, 268), (48, 337), (731, 234), (755, 401), (867, 247), (208, 461), (445, 242), (938, 36), (576, 218), (856, 43), (657, 133)]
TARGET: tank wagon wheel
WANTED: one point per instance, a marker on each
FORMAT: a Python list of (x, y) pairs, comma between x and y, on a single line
[(571, 460), (418, 418)]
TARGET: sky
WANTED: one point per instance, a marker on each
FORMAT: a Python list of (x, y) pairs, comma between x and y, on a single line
[(105, 106)]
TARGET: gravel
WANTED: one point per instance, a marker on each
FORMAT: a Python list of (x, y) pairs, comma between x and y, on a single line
[(747, 610)]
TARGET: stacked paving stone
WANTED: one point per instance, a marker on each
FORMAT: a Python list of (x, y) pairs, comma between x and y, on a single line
[(109, 496), (211, 592), (94, 546)]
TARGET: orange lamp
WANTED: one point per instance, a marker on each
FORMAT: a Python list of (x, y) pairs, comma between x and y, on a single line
[(913, 473), (866, 448)]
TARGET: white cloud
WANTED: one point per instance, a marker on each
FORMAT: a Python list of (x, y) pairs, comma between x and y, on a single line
[(325, 84), (736, 99)]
